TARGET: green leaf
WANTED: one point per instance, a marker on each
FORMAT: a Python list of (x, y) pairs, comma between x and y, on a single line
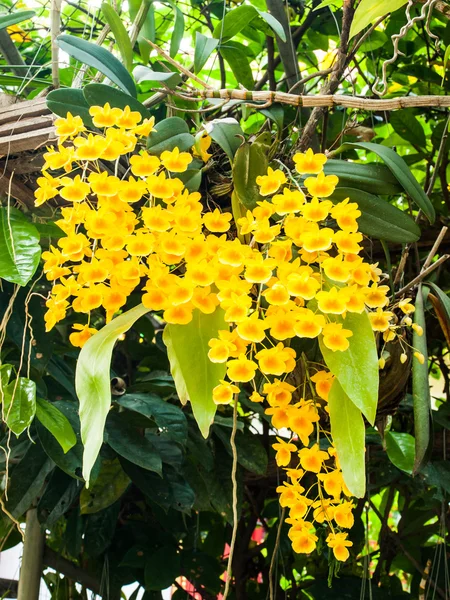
[(192, 178), (170, 79), (19, 247), (5, 374), (401, 172), (227, 133), (204, 46), (325, 3), (120, 34), (249, 162), (441, 305), (49, 230), (97, 94), (27, 479), (111, 483), (274, 24), (127, 442), (92, 383), (276, 114), (420, 386), (376, 40), (169, 418), (445, 61), (357, 367), (379, 219), (374, 178), (406, 124), (147, 31), (251, 453), (99, 58), (58, 497), (56, 423), (194, 374), (19, 404), (70, 100), (162, 568), (178, 29), (15, 17), (400, 449), (368, 11), (170, 132), (235, 55), (348, 433), (235, 20)]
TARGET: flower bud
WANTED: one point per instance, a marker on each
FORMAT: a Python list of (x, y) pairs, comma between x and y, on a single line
[(403, 358)]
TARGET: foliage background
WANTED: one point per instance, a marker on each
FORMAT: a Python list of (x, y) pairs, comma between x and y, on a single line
[(135, 525)]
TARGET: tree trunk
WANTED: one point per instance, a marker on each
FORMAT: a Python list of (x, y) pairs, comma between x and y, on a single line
[(31, 570)]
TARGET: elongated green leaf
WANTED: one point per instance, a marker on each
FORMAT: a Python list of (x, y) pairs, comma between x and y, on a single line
[(15, 17), (374, 178), (357, 367), (92, 382), (379, 219), (59, 495), (401, 172), (194, 374), (204, 47), (249, 161), (97, 94), (235, 20), (147, 31), (99, 58), (441, 305), (406, 124), (178, 29), (5, 374), (445, 61), (19, 404), (120, 34), (19, 247), (71, 100), (368, 11), (57, 423), (227, 133), (170, 132), (274, 24), (171, 79), (420, 386), (348, 433), (400, 449), (235, 55), (111, 483)]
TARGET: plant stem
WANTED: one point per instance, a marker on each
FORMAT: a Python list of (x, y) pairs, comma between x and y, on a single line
[(33, 547)]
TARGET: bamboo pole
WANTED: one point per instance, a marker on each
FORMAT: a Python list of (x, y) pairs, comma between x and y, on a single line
[(33, 549), (330, 101)]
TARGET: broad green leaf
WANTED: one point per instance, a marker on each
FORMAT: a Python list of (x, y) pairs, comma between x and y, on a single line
[(348, 433), (235, 20), (170, 132), (49, 230), (15, 17), (56, 423), (420, 386), (162, 568), (19, 247), (192, 179), (401, 172), (249, 162), (204, 47), (406, 124), (377, 39), (127, 442), (120, 34), (97, 94), (276, 114), (60, 492), (400, 449), (5, 374), (178, 29), (27, 479), (170, 79), (99, 58), (274, 24), (251, 453), (368, 11), (194, 374), (71, 100), (169, 418), (235, 55), (227, 133), (379, 219), (111, 483), (19, 404), (374, 178), (92, 383), (357, 367)]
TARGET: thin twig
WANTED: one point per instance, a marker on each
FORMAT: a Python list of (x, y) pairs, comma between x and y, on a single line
[(55, 27), (174, 63), (235, 508), (434, 249), (309, 77), (139, 22), (422, 275)]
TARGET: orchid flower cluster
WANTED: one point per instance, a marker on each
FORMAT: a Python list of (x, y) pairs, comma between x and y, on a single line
[(298, 276)]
